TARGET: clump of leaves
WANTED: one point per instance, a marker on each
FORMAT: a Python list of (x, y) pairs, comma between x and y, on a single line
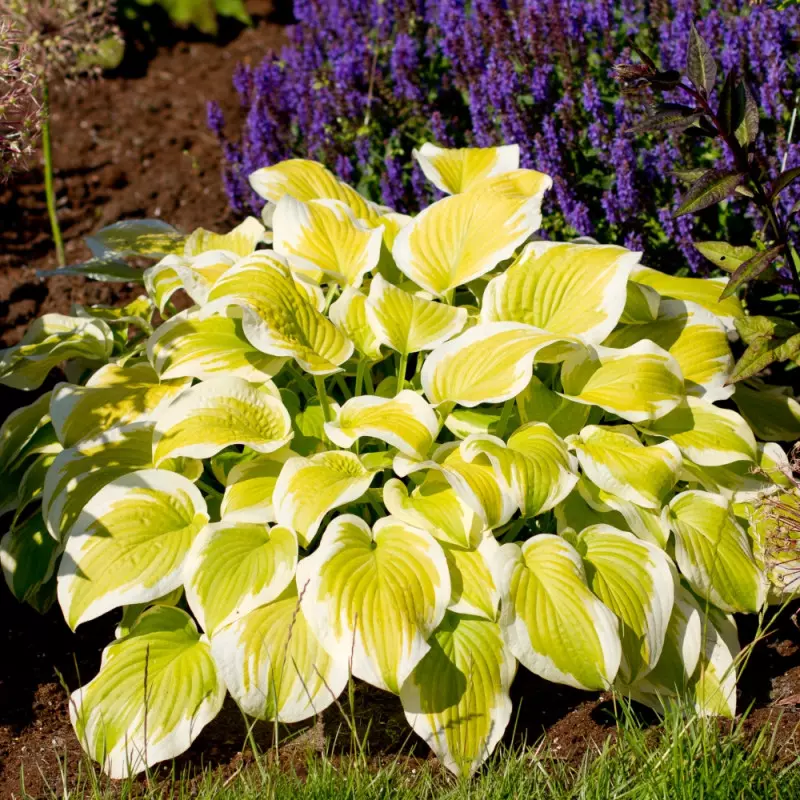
[(418, 451), (202, 14), (730, 115)]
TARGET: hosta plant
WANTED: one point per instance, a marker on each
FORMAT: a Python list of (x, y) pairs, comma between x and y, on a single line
[(416, 451)]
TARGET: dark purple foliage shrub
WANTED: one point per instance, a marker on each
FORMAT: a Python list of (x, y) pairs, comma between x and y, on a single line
[(365, 81)]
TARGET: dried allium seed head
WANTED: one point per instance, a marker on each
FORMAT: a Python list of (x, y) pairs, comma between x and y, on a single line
[(778, 517), (67, 38), (20, 104)]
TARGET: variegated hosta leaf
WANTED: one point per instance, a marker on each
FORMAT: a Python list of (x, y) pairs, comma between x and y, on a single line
[(28, 556), (308, 488), (573, 290), (635, 580), (234, 567), (79, 472), (696, 338), (406, 422), (474, 589), (308, 180), (713, 685), (475, 481), (129, 543), (773, 412), (464, 422), (374, 597), (618, 463), (457, 697), (462, 237), (274, 665), (218, 413), (641, 304), (703, 291), (191, 346), (518, 184), (250, 485), (638, 383), (50, 340), (455, 170), (31, 484), (241, 241), (538, 403), (194, 275), (156, 690), (151, 238), (20, 429), (325, 236), (112, 396), (409, 323), (706, 434), (349, 314), (645, 523), (436, 507), (277, 317), (554, 625), (489, 363), (714, 552), (671, 676), (535, 464)]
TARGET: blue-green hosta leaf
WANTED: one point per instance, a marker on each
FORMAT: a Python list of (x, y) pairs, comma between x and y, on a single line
[(706, 434), (475, 482), (621, 465), (110, 268), (488, 363), (308, 488), (703, 291), (406, 422), (19, 429), (638, 383), (50, 340), (474, 588), (374, 597), (696, 338), (234, 567), (156, 690), (112, 396), (408, 323), (714, 553), (535, 464), (218, 413), (28, 556), (274, 665), (79, 472), (670, 678), (635, 580), (462, 237), (457, 697), (324, 236), (277, 317), (554, 625), (129, 543), (455, 170), (190, 346), (151, 238), (349, 314), (773, 412), (572, 290), (435, 507), (538, 403), (250, 485)]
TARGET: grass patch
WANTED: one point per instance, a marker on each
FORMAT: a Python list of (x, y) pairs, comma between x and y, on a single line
[(683, 758)]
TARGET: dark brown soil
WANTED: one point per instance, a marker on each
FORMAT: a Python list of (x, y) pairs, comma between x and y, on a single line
[(136, 145)]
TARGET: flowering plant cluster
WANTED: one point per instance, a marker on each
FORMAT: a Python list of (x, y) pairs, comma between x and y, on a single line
[(416, 451), (362, 82)]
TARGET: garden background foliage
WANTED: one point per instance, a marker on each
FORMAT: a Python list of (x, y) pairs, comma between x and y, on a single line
[(363, 82), (413, 450)]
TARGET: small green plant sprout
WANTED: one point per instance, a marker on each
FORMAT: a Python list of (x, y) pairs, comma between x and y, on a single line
[(731, 115), (202, 14), (60, 40), (418, 451)]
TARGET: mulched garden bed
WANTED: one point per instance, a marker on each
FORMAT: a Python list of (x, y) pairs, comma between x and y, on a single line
[(136, 145)]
